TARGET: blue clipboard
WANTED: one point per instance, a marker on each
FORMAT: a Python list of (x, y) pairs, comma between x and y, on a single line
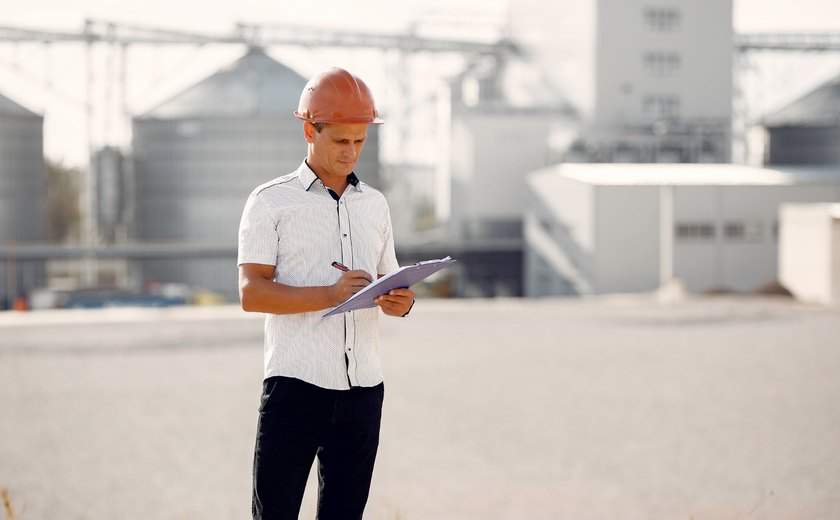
[(403, 277)]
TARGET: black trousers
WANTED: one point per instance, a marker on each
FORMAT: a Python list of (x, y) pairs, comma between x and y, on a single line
[(299, 422)]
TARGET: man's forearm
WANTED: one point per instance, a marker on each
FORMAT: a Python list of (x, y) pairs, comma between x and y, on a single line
[(276, 298)]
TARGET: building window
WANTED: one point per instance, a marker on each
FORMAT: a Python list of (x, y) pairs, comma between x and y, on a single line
[(657, 106), (661, 64), (694, 231), (662, 19), (752, 231)]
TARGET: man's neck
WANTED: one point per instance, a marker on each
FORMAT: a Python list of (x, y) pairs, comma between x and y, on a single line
[(334, 182)]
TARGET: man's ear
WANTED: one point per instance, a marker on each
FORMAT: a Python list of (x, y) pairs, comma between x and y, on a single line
[(308, 131)]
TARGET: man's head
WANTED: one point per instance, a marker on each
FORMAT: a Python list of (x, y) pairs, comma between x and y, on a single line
[(337, 107), (337, 96)]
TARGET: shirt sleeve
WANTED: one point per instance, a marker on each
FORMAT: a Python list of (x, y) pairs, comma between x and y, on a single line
[(388, 260), (257, 234)]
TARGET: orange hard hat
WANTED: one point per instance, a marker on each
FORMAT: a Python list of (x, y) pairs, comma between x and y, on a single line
[(337, 96)]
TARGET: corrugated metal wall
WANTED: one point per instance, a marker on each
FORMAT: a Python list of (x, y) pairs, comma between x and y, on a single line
[(804, 145), (23, 195), (22, 178), (807, 130)]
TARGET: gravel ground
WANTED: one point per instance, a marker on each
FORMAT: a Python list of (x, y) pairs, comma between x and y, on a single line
[(710, 408)]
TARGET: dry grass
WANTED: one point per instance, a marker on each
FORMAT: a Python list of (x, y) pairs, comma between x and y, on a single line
[(764, 498), (7, 504)]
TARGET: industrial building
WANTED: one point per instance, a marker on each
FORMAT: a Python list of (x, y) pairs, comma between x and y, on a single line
[(809, 251), (604, 81), (496, 126), (199, 155), (23, 198), (806, 131), (597, 81), (624, 228), (653, 82)]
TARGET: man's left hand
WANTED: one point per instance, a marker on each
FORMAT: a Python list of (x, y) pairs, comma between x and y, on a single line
[(397, 302)]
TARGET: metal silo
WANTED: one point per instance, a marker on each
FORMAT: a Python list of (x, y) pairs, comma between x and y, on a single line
[(23, 197), (807, 131), (199, 155)]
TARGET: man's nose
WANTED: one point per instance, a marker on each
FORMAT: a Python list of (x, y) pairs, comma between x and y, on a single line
[(350, 150)]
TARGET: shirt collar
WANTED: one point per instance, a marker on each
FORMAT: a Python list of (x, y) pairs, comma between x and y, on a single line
[(307, 177)]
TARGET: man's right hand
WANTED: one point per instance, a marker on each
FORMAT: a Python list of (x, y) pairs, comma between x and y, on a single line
[(349, 284)]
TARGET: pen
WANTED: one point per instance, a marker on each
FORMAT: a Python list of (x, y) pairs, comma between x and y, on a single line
[(340, 266)]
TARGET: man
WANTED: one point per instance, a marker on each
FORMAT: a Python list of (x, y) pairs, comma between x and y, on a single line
[(322, 393)]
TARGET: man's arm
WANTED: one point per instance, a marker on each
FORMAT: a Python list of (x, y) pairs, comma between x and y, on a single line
[(258, 292)]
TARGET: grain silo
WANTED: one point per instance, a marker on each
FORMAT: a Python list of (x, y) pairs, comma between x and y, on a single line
[(23, 197), (807, 131), (199, 155)]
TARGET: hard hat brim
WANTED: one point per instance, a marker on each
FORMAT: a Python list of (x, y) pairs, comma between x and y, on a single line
[(340, 120)]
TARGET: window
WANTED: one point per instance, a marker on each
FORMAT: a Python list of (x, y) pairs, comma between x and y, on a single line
[(694, 231), (661, 19), (660, 64), (659, 106), (743, 231)]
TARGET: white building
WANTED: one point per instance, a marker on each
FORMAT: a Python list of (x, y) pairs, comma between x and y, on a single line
[(495, 128), (619, 228), (653, 80), (809, 251), (497, 124)]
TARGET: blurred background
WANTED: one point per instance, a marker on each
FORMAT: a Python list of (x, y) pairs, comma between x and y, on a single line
[(517, 138), (634, 190)]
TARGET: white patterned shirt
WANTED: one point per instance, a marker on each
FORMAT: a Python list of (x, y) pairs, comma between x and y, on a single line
[(294, 224)]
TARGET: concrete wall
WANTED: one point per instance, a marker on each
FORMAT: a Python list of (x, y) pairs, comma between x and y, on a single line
[(809, 251), (609, 235), (701, 42), (559, 238), (751, 261), (696, 260), (492, 150), (627, 238), (727, 262)]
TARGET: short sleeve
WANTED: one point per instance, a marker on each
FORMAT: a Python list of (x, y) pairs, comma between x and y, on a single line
[(257, 234), (388, 260)]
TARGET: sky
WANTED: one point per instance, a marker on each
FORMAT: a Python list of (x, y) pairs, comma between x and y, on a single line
[(749, 15), (53, 82)]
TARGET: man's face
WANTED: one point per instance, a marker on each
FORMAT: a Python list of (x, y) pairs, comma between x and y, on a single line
[(336, 148)]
